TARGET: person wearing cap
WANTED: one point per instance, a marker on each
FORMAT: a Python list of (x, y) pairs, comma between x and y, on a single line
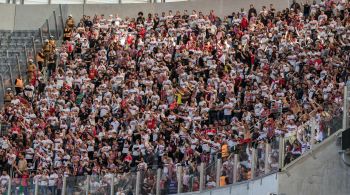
[(70, 22), (52, 42)]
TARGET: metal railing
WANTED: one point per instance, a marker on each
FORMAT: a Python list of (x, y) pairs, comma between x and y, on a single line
[(321, 125)]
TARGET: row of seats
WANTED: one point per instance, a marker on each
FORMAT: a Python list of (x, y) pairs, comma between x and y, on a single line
[(12, 53), (11, 45), (24, 33)]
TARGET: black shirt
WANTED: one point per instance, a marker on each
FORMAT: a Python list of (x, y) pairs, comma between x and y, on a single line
[(306, 9)]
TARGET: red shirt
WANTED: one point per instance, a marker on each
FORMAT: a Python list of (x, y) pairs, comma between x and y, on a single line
[(210, 131), (151, 124), (129, 39), (128, 158), (244, 23), (93, 73), (16, 129), (24, 181)]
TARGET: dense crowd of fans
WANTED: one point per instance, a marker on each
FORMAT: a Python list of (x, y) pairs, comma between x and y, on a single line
[(175, 89)]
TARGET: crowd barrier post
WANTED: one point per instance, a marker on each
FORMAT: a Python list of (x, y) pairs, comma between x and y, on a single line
[(346, 108), (48, 28), (36, 188), (235, 167), (34, 56), (11, 76), (253, 163), (112, 184), (2, 84), (17, 60), (158, 181), (201, 177), (56, 26), (313, 131), (138, 182), (218, 171), (64, 186), (41, 36), (34, 50), (267, 155), (61, 15), (25, 55), (281, 153), (179, 179), (88, 179), (9, 184)]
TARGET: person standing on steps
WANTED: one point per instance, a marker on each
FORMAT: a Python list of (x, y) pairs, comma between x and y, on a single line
[(19, 84)]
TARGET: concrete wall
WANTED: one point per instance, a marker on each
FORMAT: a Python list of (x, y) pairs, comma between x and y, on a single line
[(264, 186), (7, 13), (221, 7), (321, 172), (31, 17)]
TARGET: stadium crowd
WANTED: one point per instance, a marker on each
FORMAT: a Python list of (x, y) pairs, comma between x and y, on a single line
[(175, 89)]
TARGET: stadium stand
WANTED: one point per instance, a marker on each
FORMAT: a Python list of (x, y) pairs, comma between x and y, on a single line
[(171, 102)]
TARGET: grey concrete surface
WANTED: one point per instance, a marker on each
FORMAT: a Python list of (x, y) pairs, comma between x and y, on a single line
[(321, 172), (31, 17), (7, 17), (261, 186)]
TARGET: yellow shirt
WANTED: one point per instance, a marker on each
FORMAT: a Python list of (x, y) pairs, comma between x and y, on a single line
[(19, 83), (179, 98), (222, 180)]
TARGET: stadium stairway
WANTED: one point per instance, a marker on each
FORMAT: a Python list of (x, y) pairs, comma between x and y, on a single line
[(13, 43)]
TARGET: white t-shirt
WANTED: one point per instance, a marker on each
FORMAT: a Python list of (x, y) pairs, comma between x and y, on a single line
[(53, 179), (29, 153), (228, 109), (4, 179)]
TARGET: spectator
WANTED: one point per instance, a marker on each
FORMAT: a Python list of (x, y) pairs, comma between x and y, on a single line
[(178, 89)]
